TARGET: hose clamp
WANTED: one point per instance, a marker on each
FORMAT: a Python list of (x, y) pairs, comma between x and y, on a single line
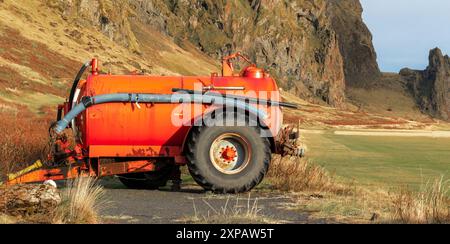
[(137, 101), (87, 101)]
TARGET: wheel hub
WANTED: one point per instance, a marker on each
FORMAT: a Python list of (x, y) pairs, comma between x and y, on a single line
[(230, 153)]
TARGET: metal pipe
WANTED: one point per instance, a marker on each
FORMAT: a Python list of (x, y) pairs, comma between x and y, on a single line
[(250, 100), (87, 102)]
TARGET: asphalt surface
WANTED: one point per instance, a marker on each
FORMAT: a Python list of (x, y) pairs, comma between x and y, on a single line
[(167, 207)]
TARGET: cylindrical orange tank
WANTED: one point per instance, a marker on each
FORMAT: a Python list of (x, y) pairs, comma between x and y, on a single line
[(146, 130)]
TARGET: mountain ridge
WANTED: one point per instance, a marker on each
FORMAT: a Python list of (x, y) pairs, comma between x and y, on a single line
[(318, 50), (303, 44)]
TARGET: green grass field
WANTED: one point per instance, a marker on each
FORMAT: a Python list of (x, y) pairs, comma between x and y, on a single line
[(387, 161)]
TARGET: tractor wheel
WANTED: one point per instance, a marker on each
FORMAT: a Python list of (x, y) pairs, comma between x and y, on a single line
[(148, 180), (228, 159)]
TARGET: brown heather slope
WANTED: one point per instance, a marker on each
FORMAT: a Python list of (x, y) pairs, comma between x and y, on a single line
[(41, 50)]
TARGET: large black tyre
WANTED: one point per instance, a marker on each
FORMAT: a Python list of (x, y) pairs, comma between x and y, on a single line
[(147, 181), (244, 173)]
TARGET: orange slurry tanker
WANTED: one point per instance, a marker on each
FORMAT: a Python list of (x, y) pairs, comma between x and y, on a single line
[(140, 128)]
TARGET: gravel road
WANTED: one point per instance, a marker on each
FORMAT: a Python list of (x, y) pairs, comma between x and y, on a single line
[(166, 207)]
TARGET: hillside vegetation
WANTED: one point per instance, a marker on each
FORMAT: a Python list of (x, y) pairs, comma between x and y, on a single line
[(41, 51)]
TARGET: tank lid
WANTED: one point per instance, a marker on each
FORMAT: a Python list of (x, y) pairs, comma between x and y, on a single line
[(254, 72)]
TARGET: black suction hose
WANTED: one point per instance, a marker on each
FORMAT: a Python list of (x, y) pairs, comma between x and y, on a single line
[(75, 83)]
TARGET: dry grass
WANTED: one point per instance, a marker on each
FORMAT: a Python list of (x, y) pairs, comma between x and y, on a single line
[(298, 175), (5, 219), (431, 205), (22, 140), (82, 201), (364, 206), (376, 205), (238, 211), (323, 196)]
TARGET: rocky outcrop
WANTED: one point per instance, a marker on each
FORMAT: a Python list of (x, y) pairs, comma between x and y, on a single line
[(431, 87), (355, 40), (313, 48), (28, 200), (293, 40)]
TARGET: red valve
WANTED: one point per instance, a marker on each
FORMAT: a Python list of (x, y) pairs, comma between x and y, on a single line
[(94, 65)]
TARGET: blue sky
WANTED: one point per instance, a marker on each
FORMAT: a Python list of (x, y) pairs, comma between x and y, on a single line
[(405, 30)]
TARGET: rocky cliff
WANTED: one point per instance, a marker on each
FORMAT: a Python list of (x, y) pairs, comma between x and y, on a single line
[(355, 41), (312, 47), (293, 40), (431, 87)]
